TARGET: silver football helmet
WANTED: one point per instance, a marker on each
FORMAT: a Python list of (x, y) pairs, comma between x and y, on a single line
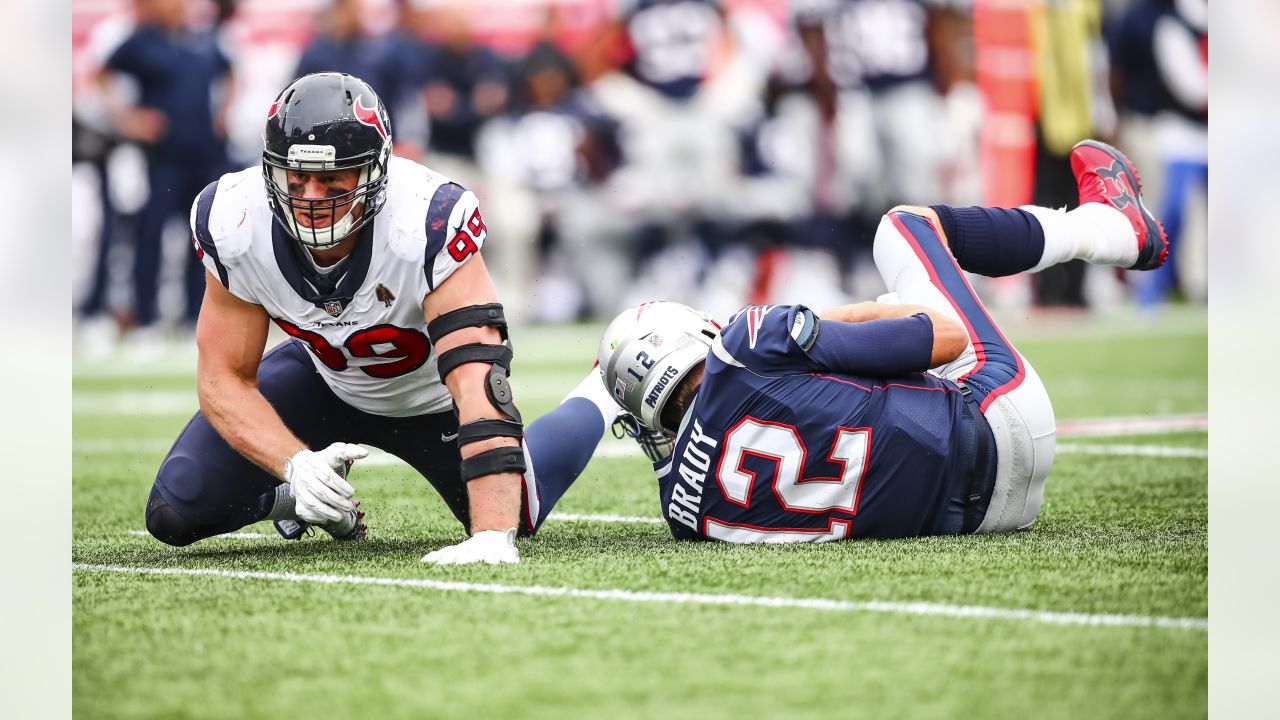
[(647, 350)]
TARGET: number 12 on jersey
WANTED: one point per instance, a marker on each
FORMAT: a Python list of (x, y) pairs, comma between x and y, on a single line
[(781, 444)]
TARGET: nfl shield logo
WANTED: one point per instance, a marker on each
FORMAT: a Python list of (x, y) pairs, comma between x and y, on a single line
[(333, 307), (619, 389)]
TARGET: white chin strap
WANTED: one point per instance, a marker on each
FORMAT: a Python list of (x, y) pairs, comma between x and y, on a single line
[(326, 237)]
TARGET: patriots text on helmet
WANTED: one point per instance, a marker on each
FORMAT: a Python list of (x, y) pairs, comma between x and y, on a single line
[(661, 385)]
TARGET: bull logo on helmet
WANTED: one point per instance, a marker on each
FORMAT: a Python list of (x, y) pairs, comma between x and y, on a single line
[(275, 108), (369, 116)]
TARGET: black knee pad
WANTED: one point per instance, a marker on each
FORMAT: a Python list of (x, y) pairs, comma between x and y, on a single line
[(169, 526)]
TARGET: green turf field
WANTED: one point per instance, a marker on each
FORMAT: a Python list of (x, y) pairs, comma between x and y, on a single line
[(1098, 611)]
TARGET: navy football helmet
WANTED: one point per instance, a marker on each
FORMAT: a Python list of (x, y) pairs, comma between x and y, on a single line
[(326, 121)]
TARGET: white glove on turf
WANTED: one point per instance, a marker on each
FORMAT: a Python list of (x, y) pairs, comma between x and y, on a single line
[(488, 546), (320, 494)]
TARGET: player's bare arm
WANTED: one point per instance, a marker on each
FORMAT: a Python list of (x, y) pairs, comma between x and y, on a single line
[(949, 336), (231, 335), (494, 498)]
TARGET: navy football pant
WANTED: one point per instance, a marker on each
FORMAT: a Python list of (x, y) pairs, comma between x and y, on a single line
[(215, 490), (172, 185)]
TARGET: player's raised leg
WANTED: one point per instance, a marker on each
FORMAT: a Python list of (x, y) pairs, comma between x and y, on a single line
[(911, 251), (205, 488), (920, 253)]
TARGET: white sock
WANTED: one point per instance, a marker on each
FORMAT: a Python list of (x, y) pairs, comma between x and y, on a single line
[(1094, 232), (592, 388)]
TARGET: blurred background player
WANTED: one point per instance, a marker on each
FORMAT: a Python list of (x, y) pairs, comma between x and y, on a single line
[(394, 64), (545, 160), (902, 55), (675, 74), (1180, 48), (718, 158), (182, 81), (340, 45)]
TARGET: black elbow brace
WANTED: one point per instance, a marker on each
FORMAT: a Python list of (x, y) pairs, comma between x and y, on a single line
[(497, 460), (497, 388)]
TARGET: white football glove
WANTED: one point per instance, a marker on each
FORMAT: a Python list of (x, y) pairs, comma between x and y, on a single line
[(487, 546), (320, 494)]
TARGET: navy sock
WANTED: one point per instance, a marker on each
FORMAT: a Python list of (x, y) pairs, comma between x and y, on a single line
[(560, 445), (992, 241)]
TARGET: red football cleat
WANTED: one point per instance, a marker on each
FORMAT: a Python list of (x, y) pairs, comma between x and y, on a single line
[(1106, 176)]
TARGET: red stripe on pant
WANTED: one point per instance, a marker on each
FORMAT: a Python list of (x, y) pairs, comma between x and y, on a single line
[(929, 245)]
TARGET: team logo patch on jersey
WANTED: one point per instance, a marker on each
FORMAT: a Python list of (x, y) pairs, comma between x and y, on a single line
[(333, 307), (384, 295)]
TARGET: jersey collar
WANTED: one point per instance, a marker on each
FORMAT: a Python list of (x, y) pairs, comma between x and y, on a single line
[(305, 281)]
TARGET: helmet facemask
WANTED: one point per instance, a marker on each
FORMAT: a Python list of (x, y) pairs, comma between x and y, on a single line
[(360, 203), (326, 122)]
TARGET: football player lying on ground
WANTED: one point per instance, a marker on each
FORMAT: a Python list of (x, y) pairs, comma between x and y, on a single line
[(874, 420), (371, 264)]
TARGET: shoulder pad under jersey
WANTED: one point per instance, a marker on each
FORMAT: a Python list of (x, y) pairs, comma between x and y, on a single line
[(222, 219)]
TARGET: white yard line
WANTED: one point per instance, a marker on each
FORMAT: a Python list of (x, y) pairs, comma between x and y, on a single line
[(131, 446), (560, 517), (899, 608), (611, 449), (571, 517), (1163, 451), (1140, 425), (133, 404), (232, 536)]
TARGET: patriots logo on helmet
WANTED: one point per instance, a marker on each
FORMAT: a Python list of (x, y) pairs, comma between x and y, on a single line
[(369, 116)]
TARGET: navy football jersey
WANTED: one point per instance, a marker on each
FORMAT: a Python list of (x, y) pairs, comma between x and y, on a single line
[(776, 448), (878, 43), (672, 41)]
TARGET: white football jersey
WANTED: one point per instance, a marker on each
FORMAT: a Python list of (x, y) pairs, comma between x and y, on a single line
[(368, 337)]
